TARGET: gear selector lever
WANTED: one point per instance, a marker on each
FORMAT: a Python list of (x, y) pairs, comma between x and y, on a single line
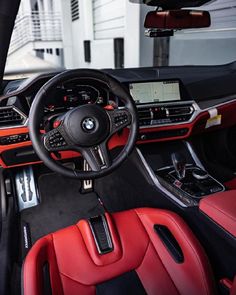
[(179, 163)]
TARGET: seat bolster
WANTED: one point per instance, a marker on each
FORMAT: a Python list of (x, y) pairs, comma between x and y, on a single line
[(194, 275), (221, 209), (41, 254)]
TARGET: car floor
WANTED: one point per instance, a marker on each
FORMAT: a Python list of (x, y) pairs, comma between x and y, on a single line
[(61, 205)]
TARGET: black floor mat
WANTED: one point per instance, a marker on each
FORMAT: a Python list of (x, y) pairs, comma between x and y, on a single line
[(61, 205)]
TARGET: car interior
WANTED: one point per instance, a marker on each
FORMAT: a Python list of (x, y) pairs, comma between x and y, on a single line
[(119, 181)]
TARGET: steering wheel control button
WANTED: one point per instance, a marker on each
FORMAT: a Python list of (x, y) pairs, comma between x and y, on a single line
[(120, 119), (56, 124), (55, 141), (88, 124)]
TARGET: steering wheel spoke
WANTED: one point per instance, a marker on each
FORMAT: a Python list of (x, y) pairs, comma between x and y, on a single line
[(54, 141), (120, 118), (98, 157)]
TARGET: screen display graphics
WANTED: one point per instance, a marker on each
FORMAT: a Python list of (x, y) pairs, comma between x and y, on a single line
[(161, 91)]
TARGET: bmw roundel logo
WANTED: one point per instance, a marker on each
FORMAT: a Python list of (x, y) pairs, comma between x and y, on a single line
[(88, 124)]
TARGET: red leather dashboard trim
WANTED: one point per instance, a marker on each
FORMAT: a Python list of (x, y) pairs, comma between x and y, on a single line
[(221, 208), (197, 126), (115, 141)]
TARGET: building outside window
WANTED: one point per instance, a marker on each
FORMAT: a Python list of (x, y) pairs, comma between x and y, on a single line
[(52, 34)]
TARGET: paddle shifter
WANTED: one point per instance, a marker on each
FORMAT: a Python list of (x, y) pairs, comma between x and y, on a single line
[(179, 164)]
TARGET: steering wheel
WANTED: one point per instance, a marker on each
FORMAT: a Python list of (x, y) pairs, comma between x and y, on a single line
[(86, 128)]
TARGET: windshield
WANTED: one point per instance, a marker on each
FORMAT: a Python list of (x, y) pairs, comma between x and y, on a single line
[(59, 34)]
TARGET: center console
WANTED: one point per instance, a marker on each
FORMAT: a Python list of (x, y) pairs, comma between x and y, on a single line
[(167, 103), (176, 170), (195, 185)]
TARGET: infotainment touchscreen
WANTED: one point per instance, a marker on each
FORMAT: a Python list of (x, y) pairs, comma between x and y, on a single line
[(159, 91)]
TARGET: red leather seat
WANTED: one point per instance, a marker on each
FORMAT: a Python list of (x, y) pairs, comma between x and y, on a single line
[(76, 267)]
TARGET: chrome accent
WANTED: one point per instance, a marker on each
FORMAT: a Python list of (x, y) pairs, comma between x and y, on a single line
[(156, 181), (171, 166), (26, 190), (87, 184), (198, 162), (88, 124), (194, 155), (200, 177), (179, 107), (102, 158)]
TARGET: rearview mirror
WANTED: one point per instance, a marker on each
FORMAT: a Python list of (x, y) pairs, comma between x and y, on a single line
[(177, 19)]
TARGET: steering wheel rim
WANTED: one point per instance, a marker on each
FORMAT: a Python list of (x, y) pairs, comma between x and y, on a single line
[(39, 142)]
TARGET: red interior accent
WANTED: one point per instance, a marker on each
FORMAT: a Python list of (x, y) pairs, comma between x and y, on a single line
[(76, 267), (226, 283), (109, 108), (56, 123), (221, 208), (233, 288), (115, 141), (231, 184), (197, 126)]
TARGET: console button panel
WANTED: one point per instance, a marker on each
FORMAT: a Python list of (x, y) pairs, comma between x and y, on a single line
[(163, 134), (16, 138), (55, 141), (189, 190)]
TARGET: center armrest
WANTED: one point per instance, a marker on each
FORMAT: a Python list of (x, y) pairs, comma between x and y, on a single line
[(221, 208)]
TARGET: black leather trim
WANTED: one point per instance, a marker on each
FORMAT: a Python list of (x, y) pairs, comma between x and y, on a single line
[(126, 284), (170, 242)]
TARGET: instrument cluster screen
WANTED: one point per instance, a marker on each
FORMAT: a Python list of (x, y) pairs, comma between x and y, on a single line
[(154, 92)]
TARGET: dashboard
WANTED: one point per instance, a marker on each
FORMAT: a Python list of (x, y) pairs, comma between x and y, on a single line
[(167, 109)]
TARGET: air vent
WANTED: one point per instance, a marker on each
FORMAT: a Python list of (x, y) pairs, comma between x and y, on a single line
[(10, 116), (176, 111), (74, 9), (144, 114), (12, 89)]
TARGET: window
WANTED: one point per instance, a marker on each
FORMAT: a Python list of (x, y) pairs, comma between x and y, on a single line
[(87, 51), (74, 9), (119, 52)]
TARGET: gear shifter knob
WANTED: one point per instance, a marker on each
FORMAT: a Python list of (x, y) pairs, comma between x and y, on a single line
[(179, 163)]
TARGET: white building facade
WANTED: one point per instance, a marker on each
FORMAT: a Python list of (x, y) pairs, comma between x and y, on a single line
[(81, 34), (106, 34)]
